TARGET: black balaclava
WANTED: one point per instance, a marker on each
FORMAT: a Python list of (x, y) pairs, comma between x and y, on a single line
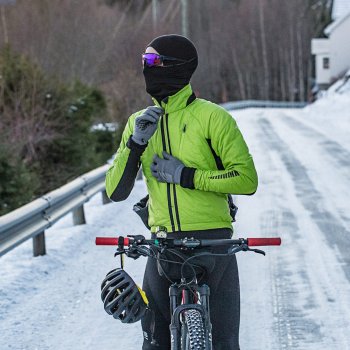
[(169, 79)]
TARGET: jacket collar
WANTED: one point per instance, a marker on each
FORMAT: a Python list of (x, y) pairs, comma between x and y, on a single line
[(175, 102)]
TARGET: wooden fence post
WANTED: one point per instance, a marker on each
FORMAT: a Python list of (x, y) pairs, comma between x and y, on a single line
[(39, 244)]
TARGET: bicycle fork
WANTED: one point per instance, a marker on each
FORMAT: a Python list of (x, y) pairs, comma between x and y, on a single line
[(188, 303)]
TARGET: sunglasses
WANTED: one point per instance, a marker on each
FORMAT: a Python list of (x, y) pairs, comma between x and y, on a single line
[(153, 59)]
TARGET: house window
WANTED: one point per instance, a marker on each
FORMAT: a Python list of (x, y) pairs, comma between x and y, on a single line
[(325, 62)]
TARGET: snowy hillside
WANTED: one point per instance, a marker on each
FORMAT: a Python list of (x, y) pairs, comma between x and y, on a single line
[(297, 297)]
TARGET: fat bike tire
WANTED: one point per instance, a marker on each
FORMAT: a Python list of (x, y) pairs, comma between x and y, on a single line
[(192, 331)]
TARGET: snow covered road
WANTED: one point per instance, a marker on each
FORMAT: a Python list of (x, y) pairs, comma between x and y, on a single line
[(308, 280), (297, 297)]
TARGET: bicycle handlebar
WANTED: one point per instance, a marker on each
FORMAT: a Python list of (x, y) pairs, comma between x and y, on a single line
[(126, 241)]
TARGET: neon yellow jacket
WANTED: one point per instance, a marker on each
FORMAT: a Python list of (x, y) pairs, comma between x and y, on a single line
[(205, 137)]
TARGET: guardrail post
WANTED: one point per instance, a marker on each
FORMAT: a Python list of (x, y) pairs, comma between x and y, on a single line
[(39, 244), (105, 199), (139, 174), (79, 216)]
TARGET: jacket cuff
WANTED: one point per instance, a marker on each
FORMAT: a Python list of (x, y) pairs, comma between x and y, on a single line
[(187, 178), (134, 146)]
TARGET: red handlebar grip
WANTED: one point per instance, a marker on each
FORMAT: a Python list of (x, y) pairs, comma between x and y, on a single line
[(264, 241), (110, 241)]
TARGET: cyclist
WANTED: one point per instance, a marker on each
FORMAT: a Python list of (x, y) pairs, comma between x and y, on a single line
[(193, 155)]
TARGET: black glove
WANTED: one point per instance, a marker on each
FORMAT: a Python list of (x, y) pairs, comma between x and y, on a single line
[(146, 124), (168, 169)]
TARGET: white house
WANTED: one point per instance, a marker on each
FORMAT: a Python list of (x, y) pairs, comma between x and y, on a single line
[(333, 53)]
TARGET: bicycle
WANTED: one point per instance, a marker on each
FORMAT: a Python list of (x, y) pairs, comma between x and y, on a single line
[(190, 326)]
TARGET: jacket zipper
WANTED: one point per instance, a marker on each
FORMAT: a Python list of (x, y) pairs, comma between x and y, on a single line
[(174, 186), (167, 185), (165, 129)]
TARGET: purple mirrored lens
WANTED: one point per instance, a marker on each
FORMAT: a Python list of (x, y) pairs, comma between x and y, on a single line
[(152, 59)]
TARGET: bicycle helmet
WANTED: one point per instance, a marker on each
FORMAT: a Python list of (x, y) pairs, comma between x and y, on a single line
[(122, 298)]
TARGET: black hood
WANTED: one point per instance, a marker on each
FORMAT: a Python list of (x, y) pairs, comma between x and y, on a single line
[(168, 80)]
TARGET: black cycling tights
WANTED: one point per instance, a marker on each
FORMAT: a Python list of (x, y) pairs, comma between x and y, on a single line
[(224, 302)]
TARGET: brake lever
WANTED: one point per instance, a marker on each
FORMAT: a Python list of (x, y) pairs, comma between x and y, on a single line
[(257, 251), (247, 249), (136, 252), (132, 253), (119, 252)]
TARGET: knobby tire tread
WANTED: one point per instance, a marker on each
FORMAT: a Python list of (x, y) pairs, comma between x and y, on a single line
[(194, 331)]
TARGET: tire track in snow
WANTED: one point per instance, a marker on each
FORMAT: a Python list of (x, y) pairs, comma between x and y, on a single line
[(337, 152), (293, 324), (335, 160), (308, 306), (336, 234), (294, 327)]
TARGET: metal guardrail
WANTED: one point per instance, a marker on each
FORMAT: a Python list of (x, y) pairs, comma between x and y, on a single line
[(262, 104), (31, 220)]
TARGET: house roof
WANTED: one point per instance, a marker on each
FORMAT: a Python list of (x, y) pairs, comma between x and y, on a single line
[(329, 29), (340, 9)]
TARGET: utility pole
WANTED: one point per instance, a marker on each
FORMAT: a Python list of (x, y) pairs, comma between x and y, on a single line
[(4, 24), (184, 8), (155, 14), (3, 17)]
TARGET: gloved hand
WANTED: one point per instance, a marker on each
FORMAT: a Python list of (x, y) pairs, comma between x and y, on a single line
[(146, 124), (168, 169)]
